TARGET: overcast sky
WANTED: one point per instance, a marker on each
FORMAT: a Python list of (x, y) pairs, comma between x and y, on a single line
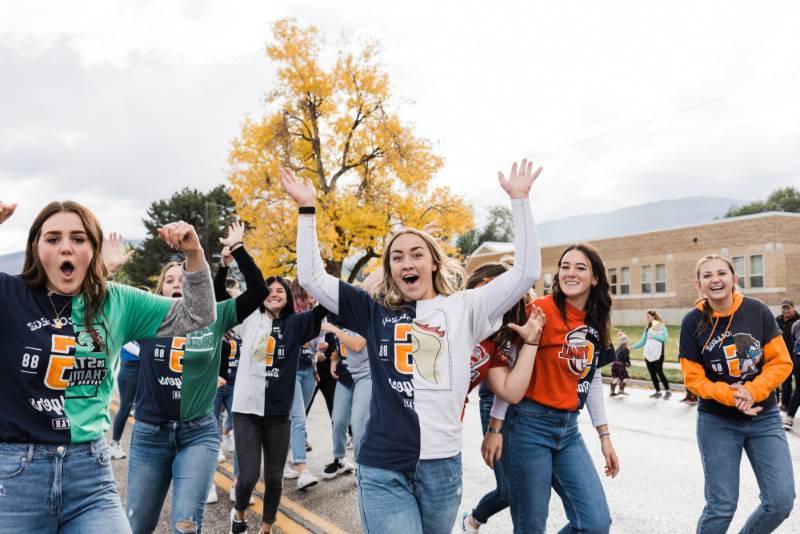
[(117, 104)]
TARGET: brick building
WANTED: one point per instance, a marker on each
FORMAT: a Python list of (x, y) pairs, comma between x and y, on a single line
[(656, 270)]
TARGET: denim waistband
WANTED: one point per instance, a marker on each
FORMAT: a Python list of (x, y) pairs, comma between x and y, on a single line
[(191, 423), (532, 406), (40, 450)]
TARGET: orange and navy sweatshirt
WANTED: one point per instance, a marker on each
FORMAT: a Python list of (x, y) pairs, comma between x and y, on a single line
[(743, 345)]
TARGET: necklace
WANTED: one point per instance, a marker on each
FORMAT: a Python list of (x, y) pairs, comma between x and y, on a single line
[(59, 321)]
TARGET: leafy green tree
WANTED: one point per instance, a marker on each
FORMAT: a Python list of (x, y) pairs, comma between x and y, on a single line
[(499, 227), (210, 213), (782, 199)]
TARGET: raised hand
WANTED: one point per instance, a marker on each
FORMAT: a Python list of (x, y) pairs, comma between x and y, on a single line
[(180, 236), (114, 254), (6, 211), (532, 329), (235, 235), (519, 182), (301, 191)]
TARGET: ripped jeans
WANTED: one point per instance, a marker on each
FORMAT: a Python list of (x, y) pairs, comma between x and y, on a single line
[(184, 453)]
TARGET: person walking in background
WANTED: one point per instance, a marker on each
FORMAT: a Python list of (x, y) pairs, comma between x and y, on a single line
[(654, 339), (619, 367), (733, 356), (787, 318), (127, 380), (794, 402)]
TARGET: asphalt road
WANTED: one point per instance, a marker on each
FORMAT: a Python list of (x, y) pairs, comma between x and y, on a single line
[(659, 489)]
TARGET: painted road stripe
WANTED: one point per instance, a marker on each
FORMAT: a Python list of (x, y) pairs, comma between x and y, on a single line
[(224, 481)]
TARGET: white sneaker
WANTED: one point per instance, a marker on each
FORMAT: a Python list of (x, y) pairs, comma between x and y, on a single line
[(289, 473), (116, 451), (220, 456), (212, 495), (306, 480), (349, 443), (337, 467)]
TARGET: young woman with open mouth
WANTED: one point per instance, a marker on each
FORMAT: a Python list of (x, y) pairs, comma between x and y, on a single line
[(733, 357), (545, 446), (63, 326), (176, 435), (272, 339), (420, 331)]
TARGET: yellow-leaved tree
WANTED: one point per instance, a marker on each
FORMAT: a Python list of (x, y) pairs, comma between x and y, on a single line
[(338, 128)]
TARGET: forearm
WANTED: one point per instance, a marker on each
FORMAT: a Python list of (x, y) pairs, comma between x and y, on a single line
[(195, 261), (499, 409), (695, 379), (511, 385), (777, 368), (195, 309), (310, 270), (505, 290), (256, 291), (220, 293), (595, 402), (353, 342)]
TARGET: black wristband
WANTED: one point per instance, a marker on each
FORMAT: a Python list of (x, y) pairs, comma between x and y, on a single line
[(307, 210), (494, 430)]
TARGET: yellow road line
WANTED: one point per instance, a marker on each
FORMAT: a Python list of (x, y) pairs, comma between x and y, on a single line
[(282, 521), (298, 509)]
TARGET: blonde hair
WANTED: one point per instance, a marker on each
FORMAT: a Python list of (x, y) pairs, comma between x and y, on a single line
[(448, 277), (162, 277)]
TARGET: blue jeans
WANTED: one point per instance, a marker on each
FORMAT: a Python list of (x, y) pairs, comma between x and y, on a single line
[(68, 489), (303, 390), (127, 381), (497, 499), (224, 397), (185, 453), (350, 406), (425, 500), (721, 441), (544, 449)]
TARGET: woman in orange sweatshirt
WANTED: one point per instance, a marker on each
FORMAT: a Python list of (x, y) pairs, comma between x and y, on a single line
[(733, 356)]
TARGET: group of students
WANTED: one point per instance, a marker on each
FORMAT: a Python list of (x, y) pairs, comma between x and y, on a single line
[(415, 342)]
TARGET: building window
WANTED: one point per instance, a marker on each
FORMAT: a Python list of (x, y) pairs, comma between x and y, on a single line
[(661, 278), (647, 279), (738, 266), (612, 280), (624, 281), (756, 274), (548, 283)]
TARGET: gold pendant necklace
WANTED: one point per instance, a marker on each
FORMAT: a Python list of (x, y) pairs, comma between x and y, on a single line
[(59, 321)]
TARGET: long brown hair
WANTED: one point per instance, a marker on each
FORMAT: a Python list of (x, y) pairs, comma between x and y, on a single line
[(447, 278), (706, 311), (300, 297), (598, 306), (655, 315), (93, 287), (516, 314)]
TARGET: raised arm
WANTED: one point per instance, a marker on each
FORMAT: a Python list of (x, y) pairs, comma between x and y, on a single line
[(196, 309), (310, 271), (220, 291), (114, 254), (502, 292), (256, 292)]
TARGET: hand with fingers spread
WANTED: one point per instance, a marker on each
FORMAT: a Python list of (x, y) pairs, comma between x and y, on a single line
[(530, 331), (6, 211), (301, 191), (520, 180), (233, 240), (114, 254)]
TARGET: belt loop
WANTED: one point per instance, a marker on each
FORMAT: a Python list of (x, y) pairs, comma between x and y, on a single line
[(30, 452)]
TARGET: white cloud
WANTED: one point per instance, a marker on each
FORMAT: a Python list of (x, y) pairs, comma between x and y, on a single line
[(121, 103)]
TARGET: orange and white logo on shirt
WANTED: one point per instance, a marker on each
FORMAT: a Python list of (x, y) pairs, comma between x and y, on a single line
[(578, 351)]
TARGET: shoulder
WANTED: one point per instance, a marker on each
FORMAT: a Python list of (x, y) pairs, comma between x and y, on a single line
[(691, 319), (547, 303)]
